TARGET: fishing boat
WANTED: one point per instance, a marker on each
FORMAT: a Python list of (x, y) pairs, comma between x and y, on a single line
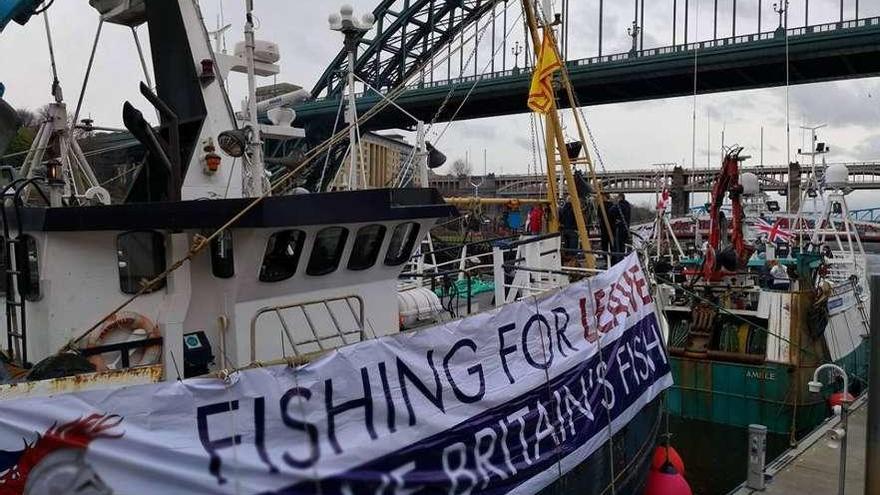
[(767, 298), (201, 335)]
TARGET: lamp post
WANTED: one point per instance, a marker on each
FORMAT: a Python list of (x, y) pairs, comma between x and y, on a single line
[(516, 50), (838, 434), (781, 8), (353, 30), (633, 32)]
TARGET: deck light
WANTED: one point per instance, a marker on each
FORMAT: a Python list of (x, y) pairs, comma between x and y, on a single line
[(233, 142), (53, 172)]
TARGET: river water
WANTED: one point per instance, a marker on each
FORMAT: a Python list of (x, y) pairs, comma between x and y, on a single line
[(715, 456)]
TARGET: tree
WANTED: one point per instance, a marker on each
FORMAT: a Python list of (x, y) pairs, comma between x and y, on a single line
[(28, 118), (18, 146), (461, 168)]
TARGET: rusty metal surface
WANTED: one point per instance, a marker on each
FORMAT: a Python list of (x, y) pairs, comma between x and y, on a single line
[(81, 383)]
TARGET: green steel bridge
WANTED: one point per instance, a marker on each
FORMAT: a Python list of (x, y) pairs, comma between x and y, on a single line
[(457, 59), (824, 52)]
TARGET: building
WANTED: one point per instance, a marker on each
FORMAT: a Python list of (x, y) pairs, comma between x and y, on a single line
[(384, 156)]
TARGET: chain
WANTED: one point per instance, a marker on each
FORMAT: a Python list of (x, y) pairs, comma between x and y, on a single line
[(534, 144)]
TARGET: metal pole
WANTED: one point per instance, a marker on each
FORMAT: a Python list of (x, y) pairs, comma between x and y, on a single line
[(82, 91), (872, 457), (493, 37), (759, 16), (504, 42), (762, 146), (255, 179), (642, 26), (734, 18), (636, 25), (674, 20), (687, 11), (715, 22), (807, 12), (352, 118), (841, 10), (844, 419), (601, 17)]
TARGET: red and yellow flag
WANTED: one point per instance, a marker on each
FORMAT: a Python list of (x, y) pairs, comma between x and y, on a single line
[(541, 93)]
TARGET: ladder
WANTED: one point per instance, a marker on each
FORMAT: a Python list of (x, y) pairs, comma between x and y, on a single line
[(866, 320), (16, 272)]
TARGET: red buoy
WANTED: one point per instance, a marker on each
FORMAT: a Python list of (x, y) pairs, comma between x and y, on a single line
[(660, 458), (836, 399), (667, 481)]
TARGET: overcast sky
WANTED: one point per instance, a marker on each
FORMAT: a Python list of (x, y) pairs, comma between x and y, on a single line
[(634, 135)]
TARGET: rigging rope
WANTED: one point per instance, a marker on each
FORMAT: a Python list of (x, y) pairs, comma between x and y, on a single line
[(202, 242), (477, 77)]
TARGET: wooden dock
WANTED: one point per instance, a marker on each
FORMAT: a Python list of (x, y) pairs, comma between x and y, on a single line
[(812, 467)]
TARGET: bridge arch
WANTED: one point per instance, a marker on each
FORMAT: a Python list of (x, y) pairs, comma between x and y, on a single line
[(407, 33)]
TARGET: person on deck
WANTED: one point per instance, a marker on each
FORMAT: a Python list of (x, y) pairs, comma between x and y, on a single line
[(568, 225), (621, 227), (536, 220)]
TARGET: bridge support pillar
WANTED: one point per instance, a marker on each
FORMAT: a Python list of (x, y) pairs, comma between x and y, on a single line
[(794, 187), (681, 199)]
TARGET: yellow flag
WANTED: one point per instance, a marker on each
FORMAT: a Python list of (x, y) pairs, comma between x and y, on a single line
[(541, 92)]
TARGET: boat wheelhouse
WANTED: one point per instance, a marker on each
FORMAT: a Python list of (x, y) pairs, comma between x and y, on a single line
[(349, 247)]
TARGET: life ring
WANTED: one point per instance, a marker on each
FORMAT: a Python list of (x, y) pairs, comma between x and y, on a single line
[(139, 327)]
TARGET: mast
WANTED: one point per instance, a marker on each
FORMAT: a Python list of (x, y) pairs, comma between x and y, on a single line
[(554, 127), (254, 179)]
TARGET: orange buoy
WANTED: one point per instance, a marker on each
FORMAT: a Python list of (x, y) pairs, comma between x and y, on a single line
[(837, 398), (667, 481), (660, 458)]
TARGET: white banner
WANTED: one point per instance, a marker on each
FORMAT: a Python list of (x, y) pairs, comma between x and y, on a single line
[(495, 403)]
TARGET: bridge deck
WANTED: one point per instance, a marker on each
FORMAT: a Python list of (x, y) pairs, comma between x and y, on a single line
[(816, 53)]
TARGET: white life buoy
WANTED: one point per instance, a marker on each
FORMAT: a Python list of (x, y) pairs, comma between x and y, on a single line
[(138, 327)]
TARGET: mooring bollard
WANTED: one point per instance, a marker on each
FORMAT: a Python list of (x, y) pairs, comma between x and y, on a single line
[(757, 456)]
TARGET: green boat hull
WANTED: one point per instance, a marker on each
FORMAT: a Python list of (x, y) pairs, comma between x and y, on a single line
[(739, 394)]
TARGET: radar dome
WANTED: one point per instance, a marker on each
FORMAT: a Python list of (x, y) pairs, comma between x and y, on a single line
[(750, 184), (837, 176), (346, 10)]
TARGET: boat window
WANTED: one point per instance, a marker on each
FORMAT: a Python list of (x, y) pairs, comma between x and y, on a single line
[(28, 263), (403, 239), (327, 251), (282, 255), (222, 258), (366, 248), (141, 257)]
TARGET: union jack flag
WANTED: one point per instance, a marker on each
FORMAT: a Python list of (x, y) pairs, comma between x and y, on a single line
[(774, 231)]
